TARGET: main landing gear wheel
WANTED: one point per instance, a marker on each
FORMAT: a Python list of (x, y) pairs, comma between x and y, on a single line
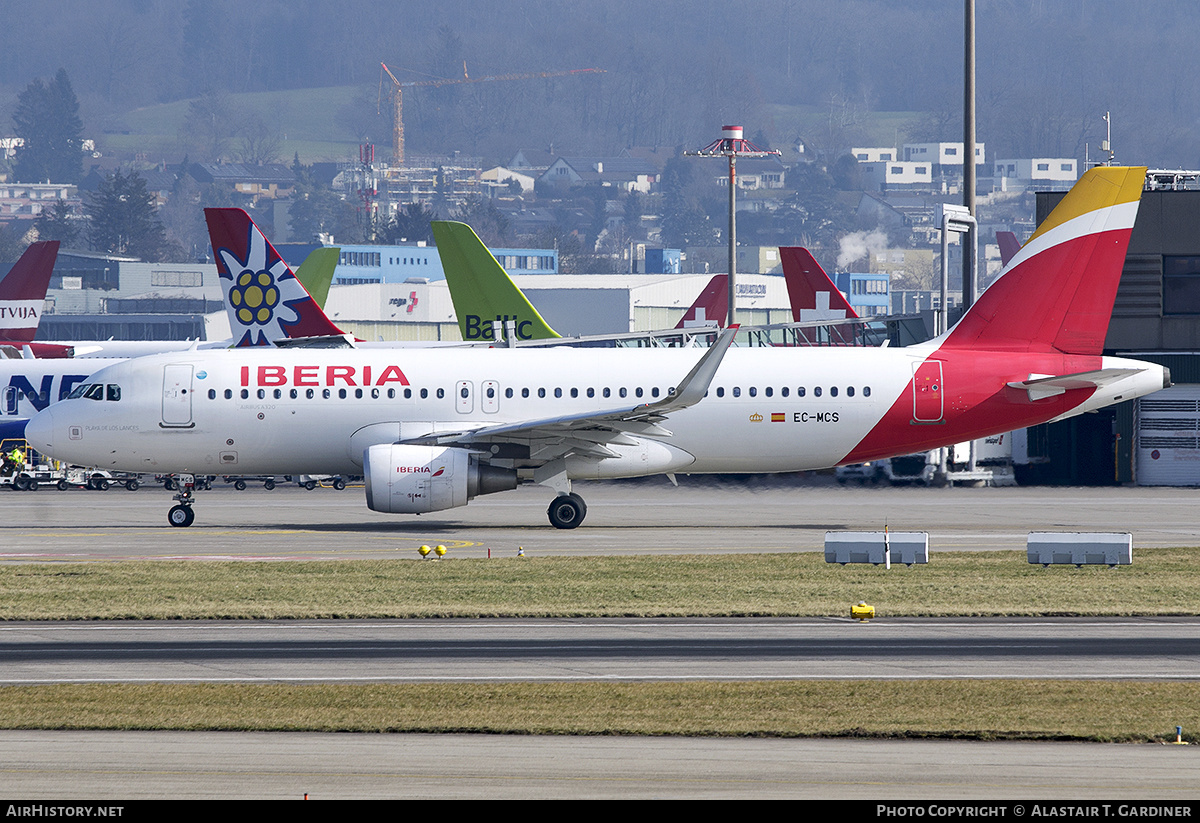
[(181, 516), (567, 511)]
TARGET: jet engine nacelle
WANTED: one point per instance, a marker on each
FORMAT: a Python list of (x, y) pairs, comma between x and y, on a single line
[(417, 479)]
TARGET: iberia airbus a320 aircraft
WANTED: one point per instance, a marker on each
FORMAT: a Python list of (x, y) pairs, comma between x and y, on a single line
[(432, 428)]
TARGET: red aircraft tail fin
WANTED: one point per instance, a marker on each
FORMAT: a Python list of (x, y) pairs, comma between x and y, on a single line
[(1058, 292), (711, 306), (263, 298), (812, 293), (1009, 246), (23, 292)]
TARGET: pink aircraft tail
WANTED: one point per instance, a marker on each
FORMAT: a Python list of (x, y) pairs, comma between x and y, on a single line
[(1058, 292), (811, 291), (1009, 246), (712, 306), (23, 292), (264, 299)]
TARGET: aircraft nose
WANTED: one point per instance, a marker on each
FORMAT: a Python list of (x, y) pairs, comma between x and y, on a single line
[(39, 431)]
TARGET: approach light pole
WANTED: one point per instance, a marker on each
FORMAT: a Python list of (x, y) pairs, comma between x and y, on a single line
[(733, 146)]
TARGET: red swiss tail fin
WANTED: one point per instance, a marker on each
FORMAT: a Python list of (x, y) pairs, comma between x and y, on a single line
[(712, 306), (812, 293)]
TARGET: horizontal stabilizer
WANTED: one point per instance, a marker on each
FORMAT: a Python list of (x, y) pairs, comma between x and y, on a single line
[(1051, 386), (327, 341)]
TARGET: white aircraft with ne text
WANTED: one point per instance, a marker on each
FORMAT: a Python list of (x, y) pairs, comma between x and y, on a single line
[(431, 429)]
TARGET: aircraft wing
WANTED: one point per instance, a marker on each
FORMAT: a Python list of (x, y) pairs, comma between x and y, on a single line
[(1042, 386), (586, 433)]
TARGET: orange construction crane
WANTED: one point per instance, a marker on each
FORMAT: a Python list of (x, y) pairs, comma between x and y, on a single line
[(398, 96)]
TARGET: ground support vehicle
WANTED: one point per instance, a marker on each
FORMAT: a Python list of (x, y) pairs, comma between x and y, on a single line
[(241, 481)]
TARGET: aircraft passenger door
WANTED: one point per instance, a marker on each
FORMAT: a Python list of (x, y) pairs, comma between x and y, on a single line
[(10, 400), (928, 392), (464, 400), (491, 397), (177, 395)]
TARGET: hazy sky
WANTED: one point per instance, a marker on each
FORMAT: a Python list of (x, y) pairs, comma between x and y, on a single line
[(1048, 69)]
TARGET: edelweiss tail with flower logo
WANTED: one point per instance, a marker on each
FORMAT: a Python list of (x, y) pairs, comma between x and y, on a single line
[(264, 299)]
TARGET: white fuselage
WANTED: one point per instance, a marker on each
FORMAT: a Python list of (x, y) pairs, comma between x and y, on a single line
[(767, 410)]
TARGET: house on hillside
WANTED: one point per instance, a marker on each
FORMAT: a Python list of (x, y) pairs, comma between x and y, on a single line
[(270, 180), (626, 173)]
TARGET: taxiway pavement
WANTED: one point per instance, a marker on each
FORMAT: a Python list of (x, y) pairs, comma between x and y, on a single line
[(702, 515)]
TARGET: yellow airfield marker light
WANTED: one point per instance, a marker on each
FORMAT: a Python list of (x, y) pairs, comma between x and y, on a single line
[(861, 611), (1179, 741), (440, 550), (520, 551), (424, 551)]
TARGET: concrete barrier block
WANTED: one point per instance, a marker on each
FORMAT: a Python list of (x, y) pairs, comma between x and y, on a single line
[(868, 547), (1080, 548)]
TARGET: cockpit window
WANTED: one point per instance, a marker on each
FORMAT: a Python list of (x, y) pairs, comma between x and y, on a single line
[(78, 391), (94, 392), (113, 392)]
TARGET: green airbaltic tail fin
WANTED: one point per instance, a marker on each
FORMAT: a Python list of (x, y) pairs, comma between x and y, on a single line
[(316, 272), (481, 289)]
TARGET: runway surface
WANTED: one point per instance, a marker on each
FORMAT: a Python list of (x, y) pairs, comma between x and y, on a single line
[(370, 651), (703, 515), (130, 765), (645, 517)]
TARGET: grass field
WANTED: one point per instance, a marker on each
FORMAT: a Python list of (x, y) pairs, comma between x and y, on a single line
[(308, 121), (977, 710), (1161, 582)]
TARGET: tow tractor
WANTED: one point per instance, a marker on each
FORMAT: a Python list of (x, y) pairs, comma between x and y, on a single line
[(34, 470)]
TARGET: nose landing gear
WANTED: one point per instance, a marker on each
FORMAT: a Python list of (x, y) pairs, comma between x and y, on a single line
[(181, 515)]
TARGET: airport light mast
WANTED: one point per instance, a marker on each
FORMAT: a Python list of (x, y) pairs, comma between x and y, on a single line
[(732, 145)]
